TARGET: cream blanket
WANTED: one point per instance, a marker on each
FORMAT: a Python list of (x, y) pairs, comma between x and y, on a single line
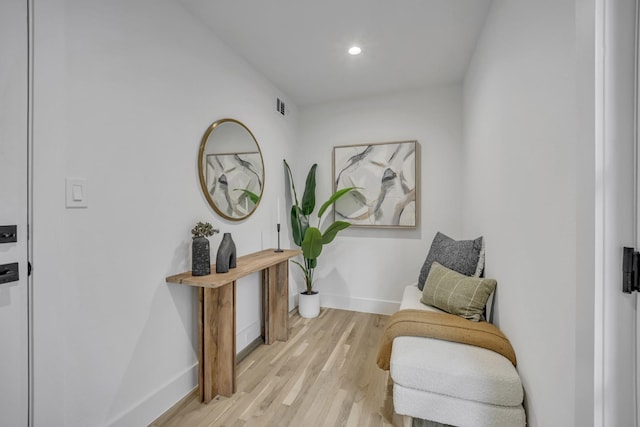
[(443, 326)]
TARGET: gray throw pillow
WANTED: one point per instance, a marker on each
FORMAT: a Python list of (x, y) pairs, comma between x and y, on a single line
[(456, 293), (464, 256)]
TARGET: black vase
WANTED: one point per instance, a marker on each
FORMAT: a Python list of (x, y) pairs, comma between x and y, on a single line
[(226, 257), (200, 258)]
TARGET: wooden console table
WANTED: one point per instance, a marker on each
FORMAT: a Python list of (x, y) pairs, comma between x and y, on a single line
[(217, 315)]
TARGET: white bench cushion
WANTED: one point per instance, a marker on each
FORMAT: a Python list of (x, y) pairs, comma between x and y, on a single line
[(455, 369), (452, 369), (453, 411)]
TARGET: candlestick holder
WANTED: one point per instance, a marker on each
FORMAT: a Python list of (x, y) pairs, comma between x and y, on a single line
[(278, 228)]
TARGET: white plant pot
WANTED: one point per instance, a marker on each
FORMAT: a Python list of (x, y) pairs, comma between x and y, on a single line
[(309, 305)]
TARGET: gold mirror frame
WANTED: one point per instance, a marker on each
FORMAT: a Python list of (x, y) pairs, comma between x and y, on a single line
[(245, 166)]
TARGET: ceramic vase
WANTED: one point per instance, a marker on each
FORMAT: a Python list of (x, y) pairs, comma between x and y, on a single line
[(309, 305), (226, 257), (200, 257)]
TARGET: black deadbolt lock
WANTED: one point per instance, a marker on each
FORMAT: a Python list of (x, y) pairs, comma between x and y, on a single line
[(8, 233)]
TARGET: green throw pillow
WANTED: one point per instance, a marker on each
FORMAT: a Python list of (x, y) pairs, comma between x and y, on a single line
[(456, 293)]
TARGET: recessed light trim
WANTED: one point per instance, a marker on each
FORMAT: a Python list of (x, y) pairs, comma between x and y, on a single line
[(355, 50)]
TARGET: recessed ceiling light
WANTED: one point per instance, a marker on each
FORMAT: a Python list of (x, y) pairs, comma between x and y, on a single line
[(355, 50)]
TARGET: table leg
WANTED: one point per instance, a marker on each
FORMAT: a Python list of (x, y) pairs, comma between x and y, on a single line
[(275, 303), (201, 343), (265, 330), (218, 342), (282, 295)]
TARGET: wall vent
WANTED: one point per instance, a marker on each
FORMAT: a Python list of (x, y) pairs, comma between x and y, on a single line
[(280, 106)]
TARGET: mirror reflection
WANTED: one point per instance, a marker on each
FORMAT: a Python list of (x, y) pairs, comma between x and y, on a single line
[(231, 169)]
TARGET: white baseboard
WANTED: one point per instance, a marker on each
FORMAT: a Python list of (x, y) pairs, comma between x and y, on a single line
[(156, 403), (364, 305)]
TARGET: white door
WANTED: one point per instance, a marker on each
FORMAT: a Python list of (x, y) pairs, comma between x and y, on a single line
[(14, 295)]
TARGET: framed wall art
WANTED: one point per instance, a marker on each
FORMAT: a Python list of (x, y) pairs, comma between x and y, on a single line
[(386, 177)]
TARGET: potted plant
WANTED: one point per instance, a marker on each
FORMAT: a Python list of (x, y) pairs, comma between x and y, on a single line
[(309, 238), (200, 257)]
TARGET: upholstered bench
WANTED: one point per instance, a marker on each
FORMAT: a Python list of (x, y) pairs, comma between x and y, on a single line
[(450, 382)]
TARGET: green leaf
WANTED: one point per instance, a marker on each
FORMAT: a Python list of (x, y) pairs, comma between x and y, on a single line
[(252, 196), (335, 196), (313, 263), (309, 196), (330, 233), (312, 243), (299, 225), (293, 187)]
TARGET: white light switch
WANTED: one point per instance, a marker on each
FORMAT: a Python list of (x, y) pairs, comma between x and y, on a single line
[(76, 193)]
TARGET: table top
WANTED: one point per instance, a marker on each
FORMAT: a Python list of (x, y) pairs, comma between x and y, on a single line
[(245, 265)]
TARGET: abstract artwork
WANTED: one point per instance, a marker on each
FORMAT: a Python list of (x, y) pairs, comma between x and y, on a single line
[(234, 181), (385, 175)]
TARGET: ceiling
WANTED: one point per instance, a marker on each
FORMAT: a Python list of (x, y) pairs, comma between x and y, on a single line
[(301, 46)]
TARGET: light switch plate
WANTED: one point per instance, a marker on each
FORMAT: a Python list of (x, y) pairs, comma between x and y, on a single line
[(76, 193)]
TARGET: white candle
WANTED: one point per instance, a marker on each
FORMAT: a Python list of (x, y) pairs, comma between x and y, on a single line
[(278, 209)]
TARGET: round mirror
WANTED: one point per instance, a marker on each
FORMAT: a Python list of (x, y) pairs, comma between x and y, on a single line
[(231, 169)]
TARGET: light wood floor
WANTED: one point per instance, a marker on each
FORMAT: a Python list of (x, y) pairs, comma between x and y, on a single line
[(325, 375)]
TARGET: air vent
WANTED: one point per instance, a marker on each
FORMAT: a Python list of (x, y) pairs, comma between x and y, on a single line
[(280, 106)]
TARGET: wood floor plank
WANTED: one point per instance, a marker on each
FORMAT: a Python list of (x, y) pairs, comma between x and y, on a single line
[(324, 375)]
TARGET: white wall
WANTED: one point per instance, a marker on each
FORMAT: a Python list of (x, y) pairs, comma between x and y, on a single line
[(520, 190), (123, 93), (366, 269)]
